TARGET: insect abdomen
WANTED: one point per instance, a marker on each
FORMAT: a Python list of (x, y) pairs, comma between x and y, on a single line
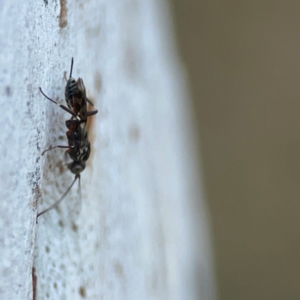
[(70, 90)]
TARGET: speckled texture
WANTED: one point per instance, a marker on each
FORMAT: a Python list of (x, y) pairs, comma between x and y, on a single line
[(140, 231)]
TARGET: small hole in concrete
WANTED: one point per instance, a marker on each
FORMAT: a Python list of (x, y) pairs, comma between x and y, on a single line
[(82, 292), (8, 91), (74, 227)]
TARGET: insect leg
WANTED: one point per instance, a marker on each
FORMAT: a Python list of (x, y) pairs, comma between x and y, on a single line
[(89, 101), (58, 146), (91, 113), (60, 199), (60, 105)]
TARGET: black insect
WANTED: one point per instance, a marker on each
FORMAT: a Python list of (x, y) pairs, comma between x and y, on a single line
[(78, 147)]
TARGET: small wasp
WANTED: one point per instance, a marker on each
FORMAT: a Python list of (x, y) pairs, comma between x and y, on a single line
[(78, 147)]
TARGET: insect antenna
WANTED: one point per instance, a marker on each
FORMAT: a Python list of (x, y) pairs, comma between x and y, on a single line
[(60, 199), (71, 67), (79, 188), (79, 193)]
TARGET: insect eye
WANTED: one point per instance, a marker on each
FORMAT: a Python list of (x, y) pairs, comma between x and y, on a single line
[(76, 167)]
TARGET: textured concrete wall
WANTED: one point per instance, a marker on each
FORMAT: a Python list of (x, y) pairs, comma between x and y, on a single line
[(140, 231)]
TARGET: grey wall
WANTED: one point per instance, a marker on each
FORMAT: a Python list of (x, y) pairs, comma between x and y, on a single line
[(243, 59)]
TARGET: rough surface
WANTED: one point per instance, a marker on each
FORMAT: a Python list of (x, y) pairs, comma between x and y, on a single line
[(140, 231)]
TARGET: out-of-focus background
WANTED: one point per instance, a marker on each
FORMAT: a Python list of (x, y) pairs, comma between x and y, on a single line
[(243, 62)]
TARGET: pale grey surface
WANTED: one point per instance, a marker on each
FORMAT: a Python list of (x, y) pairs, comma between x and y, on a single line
[(141, 230)]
